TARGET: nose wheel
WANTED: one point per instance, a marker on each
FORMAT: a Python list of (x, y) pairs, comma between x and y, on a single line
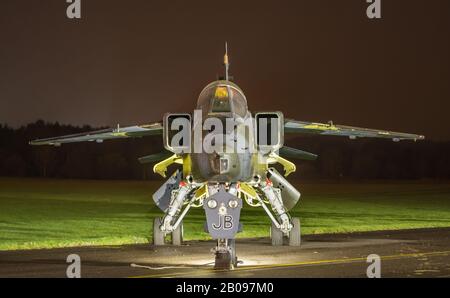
[(225, 258)]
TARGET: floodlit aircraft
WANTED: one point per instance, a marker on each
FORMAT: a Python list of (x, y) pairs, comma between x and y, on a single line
[(226, 156)]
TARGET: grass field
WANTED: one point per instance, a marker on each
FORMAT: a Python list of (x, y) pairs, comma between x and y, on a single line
[(39, 213)]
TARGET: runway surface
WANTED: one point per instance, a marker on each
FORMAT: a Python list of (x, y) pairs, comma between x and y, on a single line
[(406, 253)]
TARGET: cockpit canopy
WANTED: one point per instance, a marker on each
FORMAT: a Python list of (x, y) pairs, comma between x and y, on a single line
[(222, 98)]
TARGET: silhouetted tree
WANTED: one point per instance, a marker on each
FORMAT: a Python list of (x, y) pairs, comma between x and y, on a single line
[(117, 159)]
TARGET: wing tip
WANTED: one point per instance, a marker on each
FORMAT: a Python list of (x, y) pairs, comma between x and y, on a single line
[(420, 138), (41, 143), (34, 143), (414, 138)]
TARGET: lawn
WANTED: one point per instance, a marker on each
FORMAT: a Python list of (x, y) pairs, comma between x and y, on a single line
[(41, 213)]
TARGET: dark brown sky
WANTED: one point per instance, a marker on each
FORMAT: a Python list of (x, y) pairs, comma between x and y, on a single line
[(131, 61)]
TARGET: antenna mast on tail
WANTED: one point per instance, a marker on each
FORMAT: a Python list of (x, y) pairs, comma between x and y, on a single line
[(225, 61)]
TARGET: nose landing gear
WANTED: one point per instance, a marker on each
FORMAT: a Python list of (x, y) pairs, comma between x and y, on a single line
[(225, 254)]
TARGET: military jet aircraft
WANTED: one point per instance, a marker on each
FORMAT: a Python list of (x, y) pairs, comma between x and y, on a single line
[(226, 156)]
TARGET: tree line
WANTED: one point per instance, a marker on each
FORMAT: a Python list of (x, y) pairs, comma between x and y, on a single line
[(117, 159)]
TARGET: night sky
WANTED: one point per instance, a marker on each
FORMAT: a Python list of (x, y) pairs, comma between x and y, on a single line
[(131, 61)]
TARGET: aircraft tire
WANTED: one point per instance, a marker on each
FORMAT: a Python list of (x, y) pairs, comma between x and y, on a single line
[(295, 238), (158, 235), (177, 235), (223, 261), (276, 235)]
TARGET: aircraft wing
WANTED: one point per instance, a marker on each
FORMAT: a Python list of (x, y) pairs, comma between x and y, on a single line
[(296, 153), (294, 126), (106, 134), (152, 158)]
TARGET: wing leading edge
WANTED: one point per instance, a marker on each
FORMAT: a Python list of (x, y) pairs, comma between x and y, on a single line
[(294, 126), (106, 134)]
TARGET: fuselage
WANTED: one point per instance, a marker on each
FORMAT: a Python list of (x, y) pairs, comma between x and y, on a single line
[(224, 101)]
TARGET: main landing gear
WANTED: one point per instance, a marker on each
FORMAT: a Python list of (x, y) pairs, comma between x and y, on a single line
[(294, 235), (159, 236)]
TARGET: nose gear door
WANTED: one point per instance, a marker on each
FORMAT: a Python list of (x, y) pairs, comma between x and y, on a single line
[(223, 212)]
